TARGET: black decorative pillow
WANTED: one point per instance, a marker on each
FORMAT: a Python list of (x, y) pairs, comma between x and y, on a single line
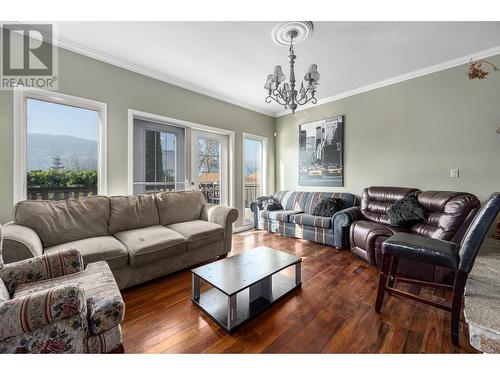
[(265, 200), (406, 212), (326, 207), (272, 206)]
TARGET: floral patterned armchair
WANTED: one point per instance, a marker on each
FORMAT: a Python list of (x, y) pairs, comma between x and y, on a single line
[(51, 304)]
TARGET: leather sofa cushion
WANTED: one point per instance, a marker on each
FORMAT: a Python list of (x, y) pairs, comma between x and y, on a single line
[(145, 245), (132, 212), (446, 211), (376, 201), (422, 249), (95, 249), (58, 222), (199, 232), (179, 206), (280, 215), (315, 221)]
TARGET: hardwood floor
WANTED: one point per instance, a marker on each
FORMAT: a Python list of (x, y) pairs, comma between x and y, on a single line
[(332, 313)]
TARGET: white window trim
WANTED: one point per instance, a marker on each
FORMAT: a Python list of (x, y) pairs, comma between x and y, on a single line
[(20, 135), (265, 142), (135, 114)]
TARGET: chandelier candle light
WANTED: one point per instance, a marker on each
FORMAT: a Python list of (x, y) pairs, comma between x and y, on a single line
[(284, 93)]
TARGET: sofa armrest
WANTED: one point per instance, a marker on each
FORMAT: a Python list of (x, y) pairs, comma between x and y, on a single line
[(341, 221), (39, 309), (255, 207), (218, 214), (224, 216), (19, 243), (42, 267)]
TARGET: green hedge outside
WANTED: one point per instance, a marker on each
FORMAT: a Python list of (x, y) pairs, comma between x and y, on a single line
[(54, 178)]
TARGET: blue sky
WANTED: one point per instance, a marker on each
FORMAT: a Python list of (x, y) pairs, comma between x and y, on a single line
[(56, 119)]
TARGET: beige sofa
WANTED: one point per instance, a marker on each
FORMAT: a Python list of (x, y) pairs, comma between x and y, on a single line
[(140, 237)]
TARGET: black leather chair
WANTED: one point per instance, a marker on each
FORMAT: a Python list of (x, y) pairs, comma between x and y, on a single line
[(459, 258)]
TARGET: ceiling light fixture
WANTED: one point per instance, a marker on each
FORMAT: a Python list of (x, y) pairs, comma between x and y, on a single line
[(284, 93)]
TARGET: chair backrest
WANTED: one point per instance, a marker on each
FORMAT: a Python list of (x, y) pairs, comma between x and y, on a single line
[(474, 238)]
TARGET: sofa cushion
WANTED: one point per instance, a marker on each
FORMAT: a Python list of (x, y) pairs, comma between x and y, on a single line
[(346, 200), (199, 232), (145, 245), (58, 222), (281, 215), (377, 200), (327, 207), (132, 212), (314, 221), (405, 212), (179, 206), (292, 200), (95, 249)]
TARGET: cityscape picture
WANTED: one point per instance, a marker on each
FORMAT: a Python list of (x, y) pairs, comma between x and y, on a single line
[(321, 148)]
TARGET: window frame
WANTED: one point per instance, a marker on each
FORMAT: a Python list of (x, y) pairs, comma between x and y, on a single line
[(264, 156), (21, 95)]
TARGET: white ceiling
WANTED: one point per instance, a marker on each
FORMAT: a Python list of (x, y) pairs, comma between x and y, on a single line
[(230, 60)]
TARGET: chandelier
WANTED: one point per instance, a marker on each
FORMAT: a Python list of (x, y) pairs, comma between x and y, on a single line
[(285, 93)]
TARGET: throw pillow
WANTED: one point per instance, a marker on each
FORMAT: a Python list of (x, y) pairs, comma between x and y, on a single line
[(406, 212), (272, 206), (263, 200), (326, 207)]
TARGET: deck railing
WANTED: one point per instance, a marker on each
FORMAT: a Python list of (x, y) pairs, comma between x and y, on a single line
[(252, 192), (39, 193)]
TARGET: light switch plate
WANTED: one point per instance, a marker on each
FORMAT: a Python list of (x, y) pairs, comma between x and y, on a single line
[(454, 173)]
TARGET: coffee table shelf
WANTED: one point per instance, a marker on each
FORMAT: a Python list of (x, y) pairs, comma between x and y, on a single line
[(244, 285)]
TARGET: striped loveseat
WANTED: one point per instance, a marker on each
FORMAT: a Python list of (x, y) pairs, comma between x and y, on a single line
[(297, 219)]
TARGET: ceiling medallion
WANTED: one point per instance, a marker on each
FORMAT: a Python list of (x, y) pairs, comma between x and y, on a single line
[(284, 93)]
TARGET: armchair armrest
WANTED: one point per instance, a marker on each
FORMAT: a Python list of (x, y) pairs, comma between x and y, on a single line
[(341, 221), (224, 216), (19, 243), (48, 266), (38, 309)]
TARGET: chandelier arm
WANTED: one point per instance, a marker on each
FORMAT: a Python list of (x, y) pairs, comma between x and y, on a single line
[(278, 93), (276, 99)]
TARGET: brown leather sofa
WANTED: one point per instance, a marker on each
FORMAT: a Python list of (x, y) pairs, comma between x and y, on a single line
[(447, 217)]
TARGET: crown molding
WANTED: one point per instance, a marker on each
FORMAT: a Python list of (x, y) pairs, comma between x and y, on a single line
[(404, 77), (136, 68)]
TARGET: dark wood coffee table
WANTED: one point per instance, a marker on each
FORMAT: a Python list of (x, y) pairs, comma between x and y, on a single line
[(244, 285)]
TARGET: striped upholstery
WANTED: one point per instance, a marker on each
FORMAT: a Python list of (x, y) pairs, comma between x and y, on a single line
[(296, 219), (280, 215), (346, 200), (104, 342), (311, 220)]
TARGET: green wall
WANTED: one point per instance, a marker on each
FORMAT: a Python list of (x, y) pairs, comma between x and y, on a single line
[(122, 89), (409, 134)]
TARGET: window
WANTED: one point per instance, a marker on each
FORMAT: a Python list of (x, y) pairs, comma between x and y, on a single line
[(58, 147), (159, 157), (210, 165), (254, 172)]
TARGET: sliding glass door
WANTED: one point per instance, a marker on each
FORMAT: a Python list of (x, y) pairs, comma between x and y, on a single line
[(254, 172), (209, 165), (159, 157)]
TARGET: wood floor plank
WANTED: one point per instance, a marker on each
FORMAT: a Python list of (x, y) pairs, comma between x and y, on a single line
[(332, 313)]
